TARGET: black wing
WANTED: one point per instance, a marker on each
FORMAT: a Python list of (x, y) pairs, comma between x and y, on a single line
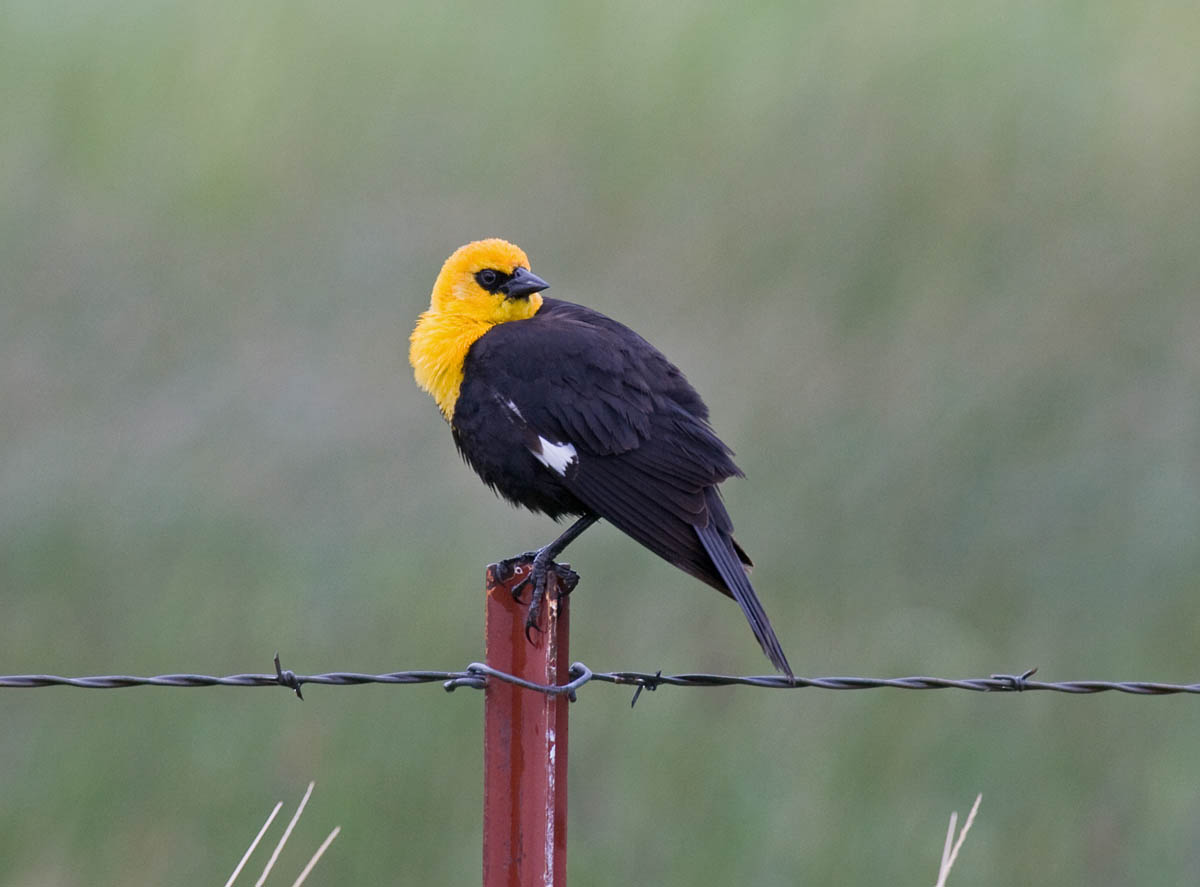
[(602, 415)]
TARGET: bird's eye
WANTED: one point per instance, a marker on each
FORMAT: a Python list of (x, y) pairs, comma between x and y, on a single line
[(489, 279)]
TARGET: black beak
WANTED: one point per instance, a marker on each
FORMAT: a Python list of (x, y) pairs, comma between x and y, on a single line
[(523, 284)]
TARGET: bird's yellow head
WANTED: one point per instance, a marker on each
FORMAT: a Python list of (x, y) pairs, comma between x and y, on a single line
[(488, 281), (482, 284)]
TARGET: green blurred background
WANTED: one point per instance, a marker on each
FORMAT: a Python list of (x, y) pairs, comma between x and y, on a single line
[(933, 265)]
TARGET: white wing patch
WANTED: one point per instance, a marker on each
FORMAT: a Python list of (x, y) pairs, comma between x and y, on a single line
[(558, 457)]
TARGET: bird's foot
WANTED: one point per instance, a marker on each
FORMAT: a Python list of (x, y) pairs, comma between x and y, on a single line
[(537, 565), (514, 566)]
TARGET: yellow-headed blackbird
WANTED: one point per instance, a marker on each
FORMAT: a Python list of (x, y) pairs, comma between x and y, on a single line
[(566, 412)]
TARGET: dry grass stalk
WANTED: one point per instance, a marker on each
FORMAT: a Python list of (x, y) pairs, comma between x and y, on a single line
[(950, 853), (287, 833)]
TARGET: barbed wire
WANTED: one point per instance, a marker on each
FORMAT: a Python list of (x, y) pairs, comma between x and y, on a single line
[(477, 674)]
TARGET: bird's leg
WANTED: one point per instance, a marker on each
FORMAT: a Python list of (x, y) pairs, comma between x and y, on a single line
[(541, 563)]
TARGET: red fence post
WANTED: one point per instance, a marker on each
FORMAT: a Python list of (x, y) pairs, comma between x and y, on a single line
[(525, 741)]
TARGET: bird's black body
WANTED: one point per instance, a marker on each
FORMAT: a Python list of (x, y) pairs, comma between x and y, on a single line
[(620, 432)]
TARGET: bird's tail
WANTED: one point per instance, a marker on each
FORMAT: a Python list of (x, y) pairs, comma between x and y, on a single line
[(725, 557)]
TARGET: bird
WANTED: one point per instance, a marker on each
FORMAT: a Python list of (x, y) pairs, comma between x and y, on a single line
[(566, 412)]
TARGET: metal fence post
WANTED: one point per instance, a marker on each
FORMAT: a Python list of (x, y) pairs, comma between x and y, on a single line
[(525, 741)]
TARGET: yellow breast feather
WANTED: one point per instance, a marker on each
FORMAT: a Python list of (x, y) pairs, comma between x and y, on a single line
[(482, 284)]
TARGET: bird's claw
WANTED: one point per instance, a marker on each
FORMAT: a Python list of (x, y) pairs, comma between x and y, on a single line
[(539, 568), (567, 578), (510, 566), (513, 566), (531, 624)]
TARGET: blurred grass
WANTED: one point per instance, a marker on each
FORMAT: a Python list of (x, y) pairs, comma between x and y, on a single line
[(934, 267)]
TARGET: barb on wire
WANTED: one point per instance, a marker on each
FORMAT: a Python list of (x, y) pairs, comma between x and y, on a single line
[(285, 677), (476, 675), (650, 684)]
